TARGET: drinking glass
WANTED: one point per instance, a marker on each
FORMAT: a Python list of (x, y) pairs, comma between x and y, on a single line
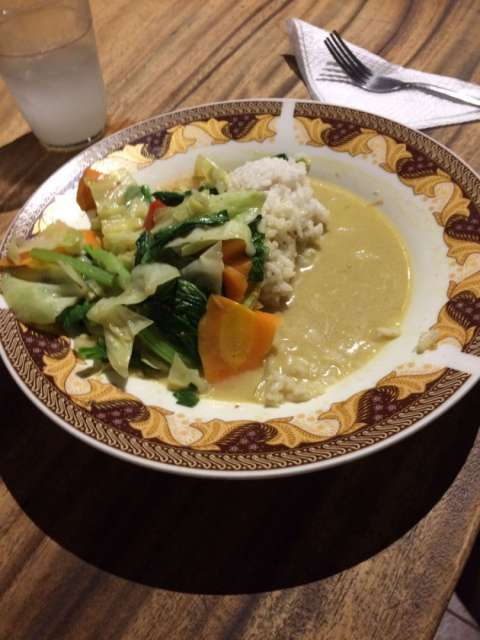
[(49, 61)]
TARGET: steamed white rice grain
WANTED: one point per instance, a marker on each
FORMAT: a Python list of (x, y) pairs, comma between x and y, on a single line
[(293, 220)]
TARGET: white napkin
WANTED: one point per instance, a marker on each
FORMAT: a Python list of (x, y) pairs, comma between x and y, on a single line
[(411, 107)]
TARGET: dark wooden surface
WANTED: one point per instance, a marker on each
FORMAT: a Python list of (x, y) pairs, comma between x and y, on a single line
[(91, 547)]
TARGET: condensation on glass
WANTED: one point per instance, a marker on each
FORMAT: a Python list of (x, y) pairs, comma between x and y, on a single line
[(49, 61)]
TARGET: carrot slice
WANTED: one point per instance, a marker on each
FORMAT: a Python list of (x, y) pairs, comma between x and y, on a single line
[(235, 284), (233, 250), (243, 265), (25, 260), (91, 238), (232, 338), (84, 195)]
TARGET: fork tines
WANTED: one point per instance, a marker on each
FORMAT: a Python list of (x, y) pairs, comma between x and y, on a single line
[(346, 58)]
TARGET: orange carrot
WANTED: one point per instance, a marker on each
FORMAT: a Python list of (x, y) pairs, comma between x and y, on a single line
[(235, 256), (25, 260), (232, 338), (91, 238), (84, 195), (242, 264), (233, 250), (235, 284)]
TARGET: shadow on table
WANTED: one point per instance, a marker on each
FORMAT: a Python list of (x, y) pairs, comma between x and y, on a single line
[(208, 536), (24, 166)]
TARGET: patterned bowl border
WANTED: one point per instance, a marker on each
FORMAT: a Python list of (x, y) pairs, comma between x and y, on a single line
[(398, 404)]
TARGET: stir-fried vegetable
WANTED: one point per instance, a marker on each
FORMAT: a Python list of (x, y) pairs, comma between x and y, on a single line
[(152, 340), (181, 376), (121, 211), (98, 351), (151, 217), (171, 198), (72, 319), (157, 281), (256, 273), (57, 236), (206, 271), (209, 173), (187, 397), (110, 263), (85, 198), (37, 302), (85, 269), (235, 284), (201, 203), (176, 308), (232, 338), (150, 245), (199, 239), (121, 325)]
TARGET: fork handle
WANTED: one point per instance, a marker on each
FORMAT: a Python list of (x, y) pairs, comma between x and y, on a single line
[(456, 96)]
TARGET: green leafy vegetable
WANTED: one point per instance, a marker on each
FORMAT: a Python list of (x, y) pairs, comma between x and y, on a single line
[(171, 198), (150, 245), (144, 282), (251, 301), (212, 190), (96, 352), (72, 319), (283, 156), (187, 397), (257, 272), (176, 308), (204, 203), (110, 263), (37, 302), (200, 239), (152, 339), (85, 269), (306, 161), (137, 191), (147, 194), (120, 323)]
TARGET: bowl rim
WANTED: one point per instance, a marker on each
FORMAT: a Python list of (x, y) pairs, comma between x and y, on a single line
[(257, 474)]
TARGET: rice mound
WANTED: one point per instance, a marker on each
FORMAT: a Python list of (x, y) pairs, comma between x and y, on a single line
[(292, 220)]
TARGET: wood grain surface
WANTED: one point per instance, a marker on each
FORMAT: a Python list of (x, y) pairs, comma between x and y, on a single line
[(91, 547)]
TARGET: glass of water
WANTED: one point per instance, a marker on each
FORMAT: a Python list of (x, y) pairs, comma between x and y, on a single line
[(49, 61)]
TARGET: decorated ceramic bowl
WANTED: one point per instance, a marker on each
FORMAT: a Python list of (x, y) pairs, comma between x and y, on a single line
[(430, 196)]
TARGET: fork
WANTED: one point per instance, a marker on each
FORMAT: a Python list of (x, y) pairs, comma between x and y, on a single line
[(365, 78)]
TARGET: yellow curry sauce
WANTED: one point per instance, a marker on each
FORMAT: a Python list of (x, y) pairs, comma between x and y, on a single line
[(357, 283)]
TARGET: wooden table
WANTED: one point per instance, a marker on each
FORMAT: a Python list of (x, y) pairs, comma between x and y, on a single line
[(91, 547)]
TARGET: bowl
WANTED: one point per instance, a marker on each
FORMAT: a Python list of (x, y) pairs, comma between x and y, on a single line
[(430, 196)]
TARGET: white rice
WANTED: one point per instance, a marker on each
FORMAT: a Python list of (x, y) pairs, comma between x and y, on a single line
[(427, 341), (293, 220)]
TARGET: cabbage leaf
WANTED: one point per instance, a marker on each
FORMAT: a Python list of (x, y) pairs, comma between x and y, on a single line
[(122, 206), (120, 323), (200, 203), (207, 270), (56, 235), (200, 239), (211, 174), (37, 302), (181, 377)]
